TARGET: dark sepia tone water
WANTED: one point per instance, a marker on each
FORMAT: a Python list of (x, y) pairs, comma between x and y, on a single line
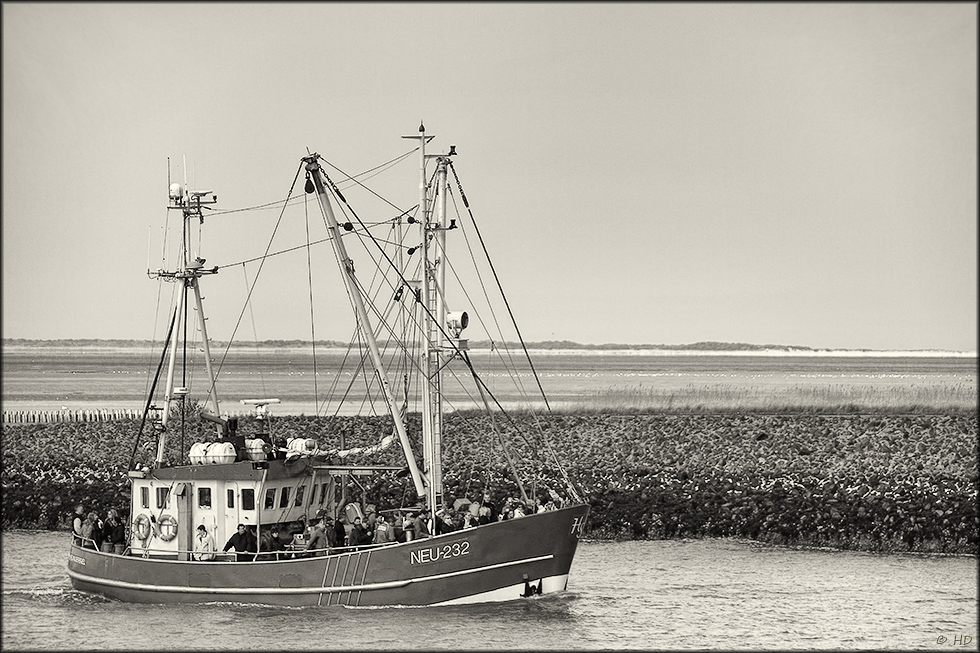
[(713, 594)]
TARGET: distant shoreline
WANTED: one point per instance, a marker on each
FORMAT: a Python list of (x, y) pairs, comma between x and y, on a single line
[(552, 348)]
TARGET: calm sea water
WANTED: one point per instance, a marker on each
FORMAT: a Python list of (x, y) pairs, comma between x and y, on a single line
[(714, 594)]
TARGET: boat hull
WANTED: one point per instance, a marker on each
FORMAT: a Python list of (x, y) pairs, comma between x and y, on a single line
[(503, 561)]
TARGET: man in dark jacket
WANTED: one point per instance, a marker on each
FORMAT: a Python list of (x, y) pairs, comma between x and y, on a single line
[(340, 532), (244, 543), (271, 544), (358, 535)]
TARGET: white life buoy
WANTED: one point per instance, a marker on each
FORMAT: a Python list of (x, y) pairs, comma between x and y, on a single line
[(168, 528), (141, 527)]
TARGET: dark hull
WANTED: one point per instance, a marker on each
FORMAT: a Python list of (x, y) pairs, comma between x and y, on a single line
[(496, 562)]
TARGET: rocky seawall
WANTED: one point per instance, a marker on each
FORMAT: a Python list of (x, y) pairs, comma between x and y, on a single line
[(868, 482)]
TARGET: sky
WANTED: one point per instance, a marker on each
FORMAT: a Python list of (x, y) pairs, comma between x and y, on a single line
[(790, 174)]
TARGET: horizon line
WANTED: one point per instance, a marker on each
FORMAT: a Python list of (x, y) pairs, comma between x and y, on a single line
[(700, 346)]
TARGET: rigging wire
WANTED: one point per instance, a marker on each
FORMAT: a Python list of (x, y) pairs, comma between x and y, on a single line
[(499, 286), (149, 396), (512, 369), (255, 333), (493, 425), (256, 279), (296, 199), (354, 179), (541, 432), (441, 327), (297, 247), (385, 322)]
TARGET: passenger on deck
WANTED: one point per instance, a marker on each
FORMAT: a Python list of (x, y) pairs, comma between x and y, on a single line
[(488, 504), (408, 527), (421, 525), (484, 516), (330, 532), (444, 523), (204, 546), (115, 534), (244, 543), (358, 535), (383, 533), (92, 532), (76, 525), (271, 544), (398, 527), (370, 520), (340, 530), (318, 544)]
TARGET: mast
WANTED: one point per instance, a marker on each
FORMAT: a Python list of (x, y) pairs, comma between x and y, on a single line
[(434, 284), (190, 271), (432, 212), (347, 272)]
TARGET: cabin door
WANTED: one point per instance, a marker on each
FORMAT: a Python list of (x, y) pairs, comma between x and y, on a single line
[(239, 508), (185, 531), (230, 519), (207, 507)]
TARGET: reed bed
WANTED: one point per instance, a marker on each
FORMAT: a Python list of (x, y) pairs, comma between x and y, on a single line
[(839, 398)]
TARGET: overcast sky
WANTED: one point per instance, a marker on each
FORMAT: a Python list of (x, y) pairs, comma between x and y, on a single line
[(796, 174)]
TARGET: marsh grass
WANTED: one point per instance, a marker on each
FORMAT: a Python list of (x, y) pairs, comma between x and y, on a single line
[(957, 398)]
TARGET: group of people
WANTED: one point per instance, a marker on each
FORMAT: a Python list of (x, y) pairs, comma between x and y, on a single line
[(324, 534), (242, 542), (108, 536), (321, 536)]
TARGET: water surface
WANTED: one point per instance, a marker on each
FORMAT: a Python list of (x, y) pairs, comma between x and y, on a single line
[(712, 594)]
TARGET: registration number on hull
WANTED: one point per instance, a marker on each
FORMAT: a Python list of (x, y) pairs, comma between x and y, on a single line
[(437, 553)]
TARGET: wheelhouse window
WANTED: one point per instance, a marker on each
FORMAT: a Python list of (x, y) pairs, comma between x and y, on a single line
[(323, 493), (203, 497), (300, 491), (231, 498), (163, 493), (270, 498), (284, 498), (248, 499), (145, 497)]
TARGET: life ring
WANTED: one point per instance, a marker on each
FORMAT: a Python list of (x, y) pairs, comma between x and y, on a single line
[(141, 527), (168, 528)]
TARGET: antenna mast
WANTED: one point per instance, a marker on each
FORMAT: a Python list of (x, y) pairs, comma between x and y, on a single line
[(190, 204)]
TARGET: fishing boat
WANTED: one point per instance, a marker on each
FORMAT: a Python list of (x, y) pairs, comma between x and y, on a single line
[(284, 478)]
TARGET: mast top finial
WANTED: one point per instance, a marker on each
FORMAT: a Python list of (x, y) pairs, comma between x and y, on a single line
[(421, 127)]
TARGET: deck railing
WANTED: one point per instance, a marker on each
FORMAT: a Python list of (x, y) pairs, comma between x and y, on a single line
[(231, 556)]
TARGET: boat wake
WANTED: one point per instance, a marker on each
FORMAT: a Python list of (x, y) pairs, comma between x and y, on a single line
[(62, 595)]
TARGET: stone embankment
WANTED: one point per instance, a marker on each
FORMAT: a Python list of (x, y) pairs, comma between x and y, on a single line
[(870, 482)]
